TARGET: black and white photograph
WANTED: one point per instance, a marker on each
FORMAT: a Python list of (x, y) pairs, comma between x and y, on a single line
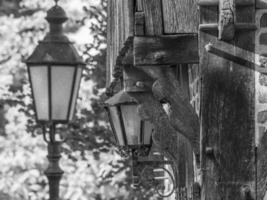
[(133, 99)]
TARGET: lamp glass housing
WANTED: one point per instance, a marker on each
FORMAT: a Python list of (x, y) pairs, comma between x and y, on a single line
[(129, 129), (55, 89)]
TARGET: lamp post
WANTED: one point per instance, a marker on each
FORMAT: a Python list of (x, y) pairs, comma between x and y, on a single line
[(55, 71)]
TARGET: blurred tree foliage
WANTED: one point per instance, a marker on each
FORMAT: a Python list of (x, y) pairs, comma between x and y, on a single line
[(93, 169)]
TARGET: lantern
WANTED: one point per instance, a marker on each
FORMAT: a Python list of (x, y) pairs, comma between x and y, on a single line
[(129, 129), (55, 71)]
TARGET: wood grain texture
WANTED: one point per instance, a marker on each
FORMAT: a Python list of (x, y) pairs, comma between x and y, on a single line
[(166, 50), (120, 27), (153, 17), (139, 6), (226, 20), (216, 2), (227, 118), (261, 168), (139, 23), (261, 4), (182, 116), (175, 143), (180, 16)]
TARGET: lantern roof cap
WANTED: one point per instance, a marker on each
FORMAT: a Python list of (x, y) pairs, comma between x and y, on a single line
[(119, 98), (55, 48), (56, 14), (55, 53)]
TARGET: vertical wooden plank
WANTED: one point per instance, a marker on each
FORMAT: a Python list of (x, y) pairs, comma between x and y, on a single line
[(120, 27), (139, 5), (227, 115), (153, 17), (139, 23), (180, 16)]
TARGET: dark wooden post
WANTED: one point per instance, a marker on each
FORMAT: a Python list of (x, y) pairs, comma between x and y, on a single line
[(227, 110)]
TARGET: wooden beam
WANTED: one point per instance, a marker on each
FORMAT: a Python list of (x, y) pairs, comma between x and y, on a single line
[(216, 2), (166, 50)]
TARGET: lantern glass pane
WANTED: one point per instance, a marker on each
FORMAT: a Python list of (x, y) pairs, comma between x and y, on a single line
[(147, 132), (75, 91), (39, 84), (132, 123), (116, 123), (61, 88)]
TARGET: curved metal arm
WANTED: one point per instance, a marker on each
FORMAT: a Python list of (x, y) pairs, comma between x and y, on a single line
[(51, 134), (145, 176)]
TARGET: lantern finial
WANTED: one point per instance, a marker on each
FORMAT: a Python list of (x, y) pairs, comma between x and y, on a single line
[(56, 1), (56, 16)]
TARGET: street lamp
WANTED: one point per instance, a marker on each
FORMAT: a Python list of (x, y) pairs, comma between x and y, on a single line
[(130, 131), (55, 71)]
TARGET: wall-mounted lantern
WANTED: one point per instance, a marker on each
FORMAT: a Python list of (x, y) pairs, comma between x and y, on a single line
[(55, 71), (131, 132), (134, 135)]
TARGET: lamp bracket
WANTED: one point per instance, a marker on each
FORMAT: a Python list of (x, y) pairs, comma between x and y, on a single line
[(49, 134), (153, 173), (136, 151)]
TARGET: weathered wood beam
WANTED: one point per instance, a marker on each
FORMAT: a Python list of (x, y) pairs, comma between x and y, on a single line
[(182, 116), (226, 20), (216, 2), (166, 50), (238, 26)]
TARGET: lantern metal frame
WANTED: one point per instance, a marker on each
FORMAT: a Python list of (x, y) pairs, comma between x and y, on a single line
[(53, 51), (50, 96), (122, 98)]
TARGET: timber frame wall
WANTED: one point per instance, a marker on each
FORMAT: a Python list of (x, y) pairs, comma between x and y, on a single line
[(227, 89)]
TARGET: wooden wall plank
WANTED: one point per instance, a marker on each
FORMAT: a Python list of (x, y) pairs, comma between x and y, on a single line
[(153, 17), (216, 2), (120, 27), (180, 16), (227, 116)]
